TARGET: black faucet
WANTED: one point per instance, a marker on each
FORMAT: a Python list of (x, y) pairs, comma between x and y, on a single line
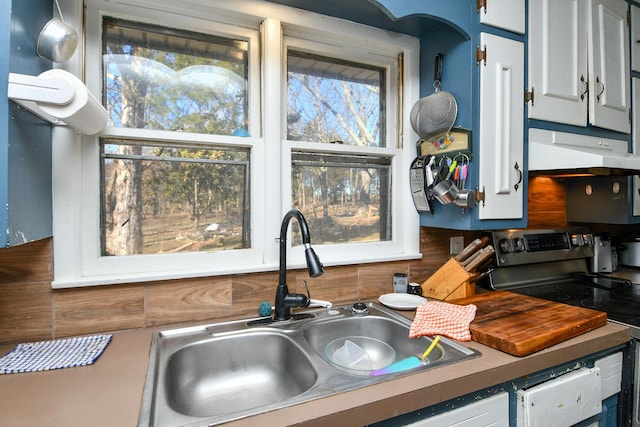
[(284, 300)]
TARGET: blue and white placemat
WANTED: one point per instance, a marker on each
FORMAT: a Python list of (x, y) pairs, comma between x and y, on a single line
[(54, 354)]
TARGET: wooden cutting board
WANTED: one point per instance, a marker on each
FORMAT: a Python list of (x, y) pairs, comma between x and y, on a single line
[(521, 325)]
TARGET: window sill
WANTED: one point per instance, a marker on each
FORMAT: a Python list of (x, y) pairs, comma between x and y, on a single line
[(133, 278)]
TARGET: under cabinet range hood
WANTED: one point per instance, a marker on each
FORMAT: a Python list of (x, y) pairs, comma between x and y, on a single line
[(560, 152)]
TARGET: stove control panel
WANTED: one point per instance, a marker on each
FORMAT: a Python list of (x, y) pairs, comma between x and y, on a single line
[(516, 247), (582, 239)]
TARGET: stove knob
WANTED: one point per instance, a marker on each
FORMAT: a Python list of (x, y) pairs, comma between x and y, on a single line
[(577, 240), (588, 239), (508, 246)]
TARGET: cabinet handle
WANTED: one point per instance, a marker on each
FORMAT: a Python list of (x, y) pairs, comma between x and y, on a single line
[(586, 87), (602, 91), (517, 184), (503, 127)]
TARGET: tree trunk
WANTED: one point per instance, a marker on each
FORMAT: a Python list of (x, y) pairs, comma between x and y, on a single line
[(365, 182), (126, 235), (196, 206), (325, 193)]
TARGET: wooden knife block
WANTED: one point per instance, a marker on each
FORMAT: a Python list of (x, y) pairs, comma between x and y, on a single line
[(449, 282)]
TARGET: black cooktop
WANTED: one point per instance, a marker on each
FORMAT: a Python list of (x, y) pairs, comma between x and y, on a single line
[(620, 299)]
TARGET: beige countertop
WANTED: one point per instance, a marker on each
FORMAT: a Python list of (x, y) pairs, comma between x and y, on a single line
[(109, 393), (628, 273)]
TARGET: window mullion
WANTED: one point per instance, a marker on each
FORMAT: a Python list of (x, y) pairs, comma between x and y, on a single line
[(272, 106)]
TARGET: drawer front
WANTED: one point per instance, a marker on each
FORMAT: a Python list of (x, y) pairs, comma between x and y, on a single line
[(565, 401)]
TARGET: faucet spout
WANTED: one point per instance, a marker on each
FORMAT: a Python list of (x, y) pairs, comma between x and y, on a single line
[(284, 300)]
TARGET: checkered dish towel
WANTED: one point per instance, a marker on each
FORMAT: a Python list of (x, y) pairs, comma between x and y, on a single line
[(54, 354), (442, 318)]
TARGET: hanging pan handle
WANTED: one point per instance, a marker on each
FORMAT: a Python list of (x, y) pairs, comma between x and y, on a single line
[(437, 72)]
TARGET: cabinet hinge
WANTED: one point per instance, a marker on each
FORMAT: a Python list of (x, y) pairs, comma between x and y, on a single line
[(480, 4), (529, 95), (480, 195), (481, 55)]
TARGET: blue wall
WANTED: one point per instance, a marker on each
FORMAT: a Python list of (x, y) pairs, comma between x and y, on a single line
[(25, 141), (5, 21)]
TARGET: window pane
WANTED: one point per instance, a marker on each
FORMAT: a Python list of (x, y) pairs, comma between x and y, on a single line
[(159, 198), (161, 78), (330, 100), (343, 198)]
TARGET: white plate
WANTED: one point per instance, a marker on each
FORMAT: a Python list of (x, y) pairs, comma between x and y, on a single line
[(401, 301)]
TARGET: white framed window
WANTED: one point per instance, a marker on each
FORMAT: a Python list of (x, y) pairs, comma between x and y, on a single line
[(221, 118)]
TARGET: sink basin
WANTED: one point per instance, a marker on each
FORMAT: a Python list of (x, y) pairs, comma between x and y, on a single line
[(212, 374), (236, 373), (374, 328)]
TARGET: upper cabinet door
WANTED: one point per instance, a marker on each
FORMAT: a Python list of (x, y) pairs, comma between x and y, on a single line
[(505, 14), (609, 103), (558, 61), (636, 200), (635, 130), (635, 38), (579, 62), (501, 136)]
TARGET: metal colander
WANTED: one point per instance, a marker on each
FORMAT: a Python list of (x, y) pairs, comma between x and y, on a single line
[(433, 116)]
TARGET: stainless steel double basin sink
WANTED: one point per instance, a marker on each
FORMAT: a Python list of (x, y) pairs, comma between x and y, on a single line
[(211, 374)]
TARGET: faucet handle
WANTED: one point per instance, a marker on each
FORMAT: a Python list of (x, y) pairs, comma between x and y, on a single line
[(304, 282), (360, 308)]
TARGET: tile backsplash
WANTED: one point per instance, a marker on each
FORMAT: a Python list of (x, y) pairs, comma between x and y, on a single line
[(31, 310)]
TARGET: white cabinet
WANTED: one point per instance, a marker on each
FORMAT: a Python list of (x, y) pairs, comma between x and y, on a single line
[(610, 374), (505, 14), (579, 62), (635, 96), (635, 38), (501, 128), (609, 69), (558, 61), (492, 411), (563, 401), (636, 196)]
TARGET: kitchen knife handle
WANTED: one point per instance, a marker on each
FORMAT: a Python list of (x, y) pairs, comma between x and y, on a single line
[(471, 258), (485, 264), (468, 250), (471, 248), (484, 255)]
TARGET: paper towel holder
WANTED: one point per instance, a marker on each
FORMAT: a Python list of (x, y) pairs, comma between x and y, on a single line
[(30, 91)]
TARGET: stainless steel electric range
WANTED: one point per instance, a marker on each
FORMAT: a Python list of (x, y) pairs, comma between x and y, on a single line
[(553, 265)]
